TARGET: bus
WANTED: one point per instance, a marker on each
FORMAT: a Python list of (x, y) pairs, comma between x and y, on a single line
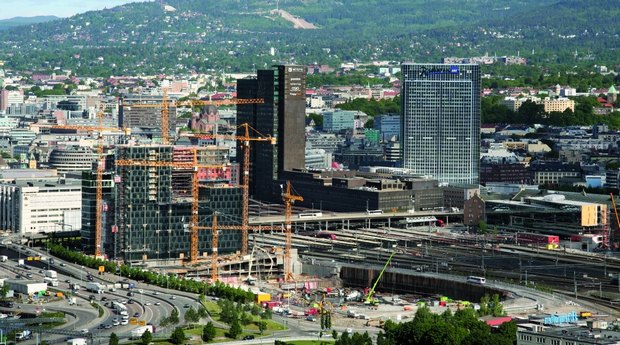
[(310, 215), (50, 281), (476, 280)]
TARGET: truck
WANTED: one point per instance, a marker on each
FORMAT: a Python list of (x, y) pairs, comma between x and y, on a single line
[(94, 287), (23, 335), (138, 331), (311, 311), (76, 341), (262, 297), (3, 258), (50, 281), (50, 274)]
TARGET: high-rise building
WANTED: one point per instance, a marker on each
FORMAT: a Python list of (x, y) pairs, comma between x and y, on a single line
[(146, 116), (153, 208), (282, 115), (441, 121)]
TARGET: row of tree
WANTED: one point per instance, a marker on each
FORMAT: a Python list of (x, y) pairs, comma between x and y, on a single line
[(459, 328), (168, 281)]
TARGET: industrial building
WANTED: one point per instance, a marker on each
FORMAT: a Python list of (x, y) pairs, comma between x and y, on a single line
[(31, 206)]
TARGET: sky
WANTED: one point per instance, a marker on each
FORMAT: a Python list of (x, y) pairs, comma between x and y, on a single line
[(59, 8)]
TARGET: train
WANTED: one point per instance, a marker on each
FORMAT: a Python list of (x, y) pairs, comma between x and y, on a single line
[(551, 241), (327, 235)]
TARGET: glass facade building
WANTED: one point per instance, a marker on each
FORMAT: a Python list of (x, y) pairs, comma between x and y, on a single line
[(441, 121)]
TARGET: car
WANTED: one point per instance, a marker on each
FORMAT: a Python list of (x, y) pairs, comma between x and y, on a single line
[(186, 306), (248, 337), (130, 301), (136, 314), (115, 319), (68, 281), (115, 323), (92, 298), (62, 264), (130, 294), (101, 326), (140, 291), (156, 293), (157, 303), (84, 331), (41, 271), (148, 303), (29, 275), (173, 297), (124, 322), (104, 298), (108, 326)]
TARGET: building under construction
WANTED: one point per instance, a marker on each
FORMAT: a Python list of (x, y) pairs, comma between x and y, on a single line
[(148, 210)]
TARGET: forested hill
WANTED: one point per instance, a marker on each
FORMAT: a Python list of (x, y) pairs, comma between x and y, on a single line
[(235, 35), (20, 21)]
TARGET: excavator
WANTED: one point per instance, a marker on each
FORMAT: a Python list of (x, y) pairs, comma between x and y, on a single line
[(370, 299)]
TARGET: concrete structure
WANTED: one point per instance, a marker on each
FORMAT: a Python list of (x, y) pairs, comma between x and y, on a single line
[(153, 208), (26, 287), (571, 335), (474, 211), (31, 206), (67, 159), (441, 121), (145, 117), (282, 116), (338, 120), (389, 126), (549, 104), (552, 172), (9, 97)]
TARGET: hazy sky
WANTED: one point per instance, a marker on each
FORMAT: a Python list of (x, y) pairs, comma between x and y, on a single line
[(60, 8)]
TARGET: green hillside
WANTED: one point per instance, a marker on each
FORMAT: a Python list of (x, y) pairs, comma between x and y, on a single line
[(234, 35)]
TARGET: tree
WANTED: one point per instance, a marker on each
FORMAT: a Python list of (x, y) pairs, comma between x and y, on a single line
[(235, 329), (146, 337), (208, 332), (4, 290), (191, 316), (174, 316), (113, 339), (245, 319), (178, 336), (262, 326), (267, 314)]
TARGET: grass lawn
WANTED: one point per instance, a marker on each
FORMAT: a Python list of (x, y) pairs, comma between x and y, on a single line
[(309, 342)]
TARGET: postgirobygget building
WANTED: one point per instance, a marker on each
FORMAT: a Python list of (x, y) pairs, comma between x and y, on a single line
[(441, 121)]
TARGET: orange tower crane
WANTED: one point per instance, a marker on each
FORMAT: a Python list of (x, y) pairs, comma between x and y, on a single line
[(245, 140), (99, 175), (166, 104), (215, 239), (289, 198), (194, 165)]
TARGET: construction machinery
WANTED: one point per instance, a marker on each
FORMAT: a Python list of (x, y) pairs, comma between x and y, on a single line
[(369, 299), (99, 175), (245, 140), (289, 198), (166, 104), (193, 165)]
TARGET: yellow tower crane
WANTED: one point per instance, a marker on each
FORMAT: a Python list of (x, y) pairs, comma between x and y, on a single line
[(99, 175), (194, 165)]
